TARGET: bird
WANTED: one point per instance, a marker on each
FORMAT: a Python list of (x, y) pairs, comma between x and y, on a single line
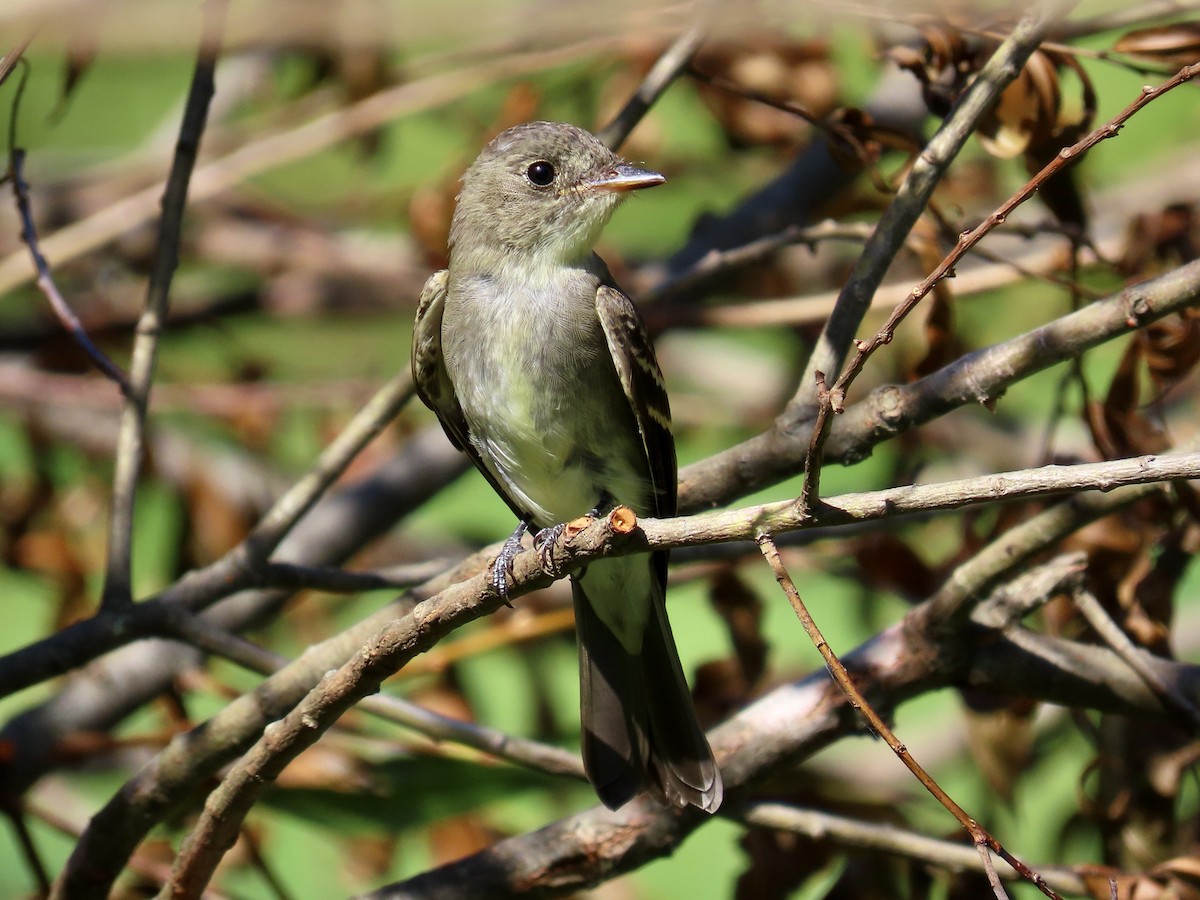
[(542, 371)]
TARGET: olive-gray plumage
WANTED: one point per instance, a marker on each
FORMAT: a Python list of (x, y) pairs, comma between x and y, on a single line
[(540, 369)]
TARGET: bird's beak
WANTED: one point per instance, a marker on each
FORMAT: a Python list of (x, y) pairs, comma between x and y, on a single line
[(624, 177)]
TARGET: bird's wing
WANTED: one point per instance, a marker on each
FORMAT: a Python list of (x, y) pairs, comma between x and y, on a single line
[(432, 381), (429, 368), (642, 381)]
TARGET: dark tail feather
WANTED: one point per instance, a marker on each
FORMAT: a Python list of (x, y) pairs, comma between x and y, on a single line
[(639, 725)]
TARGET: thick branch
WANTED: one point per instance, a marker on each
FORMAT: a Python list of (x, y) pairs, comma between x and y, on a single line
[(792, 722)]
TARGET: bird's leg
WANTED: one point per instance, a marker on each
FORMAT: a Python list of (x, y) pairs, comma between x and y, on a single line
[(502, 568), (545, 539)]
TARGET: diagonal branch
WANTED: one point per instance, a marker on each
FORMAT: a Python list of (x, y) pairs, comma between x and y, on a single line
[(831, 401)]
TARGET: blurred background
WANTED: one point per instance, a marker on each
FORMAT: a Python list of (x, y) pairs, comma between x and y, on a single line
[(319, 205)]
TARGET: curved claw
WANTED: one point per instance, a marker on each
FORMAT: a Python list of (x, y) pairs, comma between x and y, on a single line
[(502, 568)]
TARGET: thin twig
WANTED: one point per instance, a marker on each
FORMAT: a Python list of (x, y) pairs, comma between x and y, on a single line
[(858, 702), (790, 515), (848, 139), (716, 263), (236, 570), (253, 848), (343, 581), (29, 852), (146, 865), (989, 870), (282, 741), (521, 751), (118, 592), (367, 423), (9, 61), (45, 281)]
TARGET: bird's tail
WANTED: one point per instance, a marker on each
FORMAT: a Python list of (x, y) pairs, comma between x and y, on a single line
[(639, 724)]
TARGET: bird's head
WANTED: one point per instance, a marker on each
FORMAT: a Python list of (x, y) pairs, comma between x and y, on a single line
[(545, 189)]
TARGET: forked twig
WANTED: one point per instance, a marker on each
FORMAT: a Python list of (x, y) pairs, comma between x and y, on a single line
[(833, 400)]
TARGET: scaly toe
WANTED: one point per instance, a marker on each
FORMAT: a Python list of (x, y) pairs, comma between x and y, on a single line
[(502, 568), (544, 542)]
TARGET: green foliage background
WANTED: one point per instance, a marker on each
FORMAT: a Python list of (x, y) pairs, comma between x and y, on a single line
[(310, 836)]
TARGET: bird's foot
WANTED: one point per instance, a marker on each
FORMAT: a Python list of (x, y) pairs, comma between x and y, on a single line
[(544, 542), (502, 568)]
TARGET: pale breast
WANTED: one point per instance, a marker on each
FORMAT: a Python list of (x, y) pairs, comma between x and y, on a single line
[(541, 397)]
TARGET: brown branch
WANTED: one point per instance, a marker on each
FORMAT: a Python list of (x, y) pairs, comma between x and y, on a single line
[(236, 570), (216, 641), (28, 849), (464, 602), (187, 761), (717, 263), (1093, 612), (789, 723), (977, 377), (910, 201), (380, 657)]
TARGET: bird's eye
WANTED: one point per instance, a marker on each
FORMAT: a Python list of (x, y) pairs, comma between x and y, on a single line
[(540, 173)]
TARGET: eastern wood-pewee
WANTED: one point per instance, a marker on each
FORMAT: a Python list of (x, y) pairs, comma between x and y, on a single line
[(541, 370)]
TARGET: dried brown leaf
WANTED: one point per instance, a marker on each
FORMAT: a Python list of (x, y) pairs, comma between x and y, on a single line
[(1119, 428), (326, 767), (942, 62), (888, 563), (1176, 45), (1027, 111), (1169, 237)]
